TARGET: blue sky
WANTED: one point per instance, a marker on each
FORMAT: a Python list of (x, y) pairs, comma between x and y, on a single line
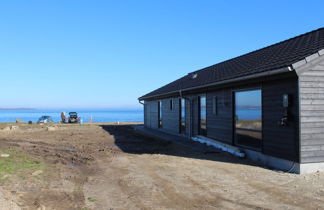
[(105, 54)]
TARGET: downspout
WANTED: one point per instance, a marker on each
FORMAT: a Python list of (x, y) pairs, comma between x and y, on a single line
[(190, 112)]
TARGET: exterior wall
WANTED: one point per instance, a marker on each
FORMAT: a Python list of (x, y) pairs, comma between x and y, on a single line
[(151, 114), (311, 87), (278, 141), (220, 125), (170, 118)]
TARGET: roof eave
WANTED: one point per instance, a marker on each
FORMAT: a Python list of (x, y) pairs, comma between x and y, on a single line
[(237, 79)]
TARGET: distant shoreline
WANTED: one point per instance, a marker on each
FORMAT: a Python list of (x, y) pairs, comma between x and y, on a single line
[(17, 109)]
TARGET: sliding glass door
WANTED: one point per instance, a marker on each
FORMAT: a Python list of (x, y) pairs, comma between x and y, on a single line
[(248, 118)]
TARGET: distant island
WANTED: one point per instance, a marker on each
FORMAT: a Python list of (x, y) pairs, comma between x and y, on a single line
[(17, 109)]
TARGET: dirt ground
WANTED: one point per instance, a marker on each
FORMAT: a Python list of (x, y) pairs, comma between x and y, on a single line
[(113, 167)]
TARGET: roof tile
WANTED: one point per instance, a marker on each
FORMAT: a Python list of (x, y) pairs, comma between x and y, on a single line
[(282, 54)]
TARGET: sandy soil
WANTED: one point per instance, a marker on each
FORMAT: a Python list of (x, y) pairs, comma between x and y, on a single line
[(113, 167)]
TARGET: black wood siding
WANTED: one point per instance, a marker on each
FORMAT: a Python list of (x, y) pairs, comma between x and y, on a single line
[(220, 125), (278, 141)]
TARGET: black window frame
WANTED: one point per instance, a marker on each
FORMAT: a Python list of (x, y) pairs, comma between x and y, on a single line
[(171, 104), (235, 140)]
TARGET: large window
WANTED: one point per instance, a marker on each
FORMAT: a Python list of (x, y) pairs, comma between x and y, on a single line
[(182, 112), (160, 114), (202, 116), (248, 118)]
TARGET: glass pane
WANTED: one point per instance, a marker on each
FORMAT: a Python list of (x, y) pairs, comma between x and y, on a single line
[(183, 115), (203, 115), (160, 114), (248, 118)]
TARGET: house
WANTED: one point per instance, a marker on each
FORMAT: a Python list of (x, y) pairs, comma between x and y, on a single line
[(268, 103)]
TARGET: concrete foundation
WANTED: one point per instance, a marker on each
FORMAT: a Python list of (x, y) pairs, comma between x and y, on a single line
[(305, 168), (270, 161)]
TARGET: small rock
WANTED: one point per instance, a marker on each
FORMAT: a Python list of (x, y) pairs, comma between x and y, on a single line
[(5, 176), (36, 173), (13, 127), (4, 155), (50, 128)]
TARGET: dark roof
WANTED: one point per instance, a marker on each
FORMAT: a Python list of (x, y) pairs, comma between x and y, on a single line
[(280, 55)]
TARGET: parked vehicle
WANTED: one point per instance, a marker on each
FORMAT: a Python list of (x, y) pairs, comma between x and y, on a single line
[(45, 119), (73, 117)]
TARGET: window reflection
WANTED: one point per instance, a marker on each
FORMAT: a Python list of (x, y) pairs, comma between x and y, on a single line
[(202, 116), (248, 118), (182, 115), (160, 122)]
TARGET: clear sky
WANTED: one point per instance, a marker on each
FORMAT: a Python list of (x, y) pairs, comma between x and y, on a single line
[(105, 54)]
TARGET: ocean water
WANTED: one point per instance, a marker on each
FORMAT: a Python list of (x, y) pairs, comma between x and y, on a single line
[(97, 115), (248, 114)]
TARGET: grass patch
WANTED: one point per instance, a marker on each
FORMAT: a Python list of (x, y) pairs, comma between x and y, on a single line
[(17, 163), (92, 199)]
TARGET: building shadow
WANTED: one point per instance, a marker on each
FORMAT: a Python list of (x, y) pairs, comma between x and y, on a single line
[(128, 140)]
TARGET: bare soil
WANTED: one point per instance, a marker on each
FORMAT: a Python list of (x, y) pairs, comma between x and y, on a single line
[(113, 167)]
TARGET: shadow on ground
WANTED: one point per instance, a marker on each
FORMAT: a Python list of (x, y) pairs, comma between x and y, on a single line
[(128, 140)]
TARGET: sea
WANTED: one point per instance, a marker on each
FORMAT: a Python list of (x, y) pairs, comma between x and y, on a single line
[(97, 115)]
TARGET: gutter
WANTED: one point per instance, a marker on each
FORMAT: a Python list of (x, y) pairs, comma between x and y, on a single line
[(251, 76)]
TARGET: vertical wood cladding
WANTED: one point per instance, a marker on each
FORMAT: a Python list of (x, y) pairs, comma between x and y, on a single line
[(311, 88)]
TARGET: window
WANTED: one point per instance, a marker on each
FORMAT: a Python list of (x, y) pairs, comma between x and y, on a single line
[(171, 104), (160, 114), (215, 105), (202, 116), (248, 118), (182, 114)]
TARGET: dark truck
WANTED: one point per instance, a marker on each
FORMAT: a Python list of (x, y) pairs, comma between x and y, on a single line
[(73, 117)]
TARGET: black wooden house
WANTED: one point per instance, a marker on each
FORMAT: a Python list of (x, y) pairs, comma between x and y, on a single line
[(268, 103)]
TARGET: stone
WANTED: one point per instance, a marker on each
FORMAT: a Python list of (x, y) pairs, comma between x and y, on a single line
[(36, 173), (13, 127), (4, 155), (50, 128)]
